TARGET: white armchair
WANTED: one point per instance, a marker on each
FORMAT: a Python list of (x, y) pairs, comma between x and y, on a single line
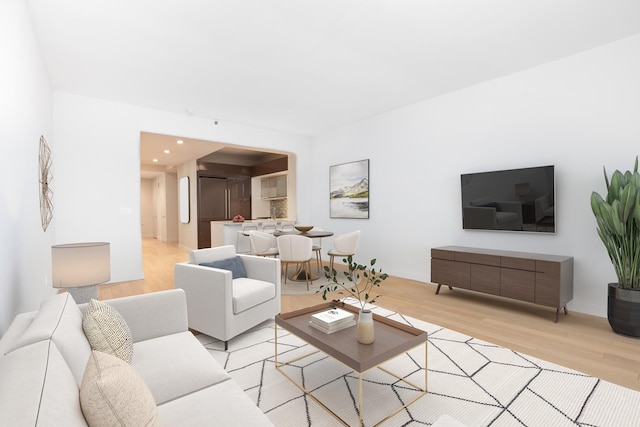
[(222, 306)]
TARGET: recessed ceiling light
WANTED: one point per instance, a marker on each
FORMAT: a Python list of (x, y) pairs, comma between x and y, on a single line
[(155, 160), (180, 141), (166, 151)]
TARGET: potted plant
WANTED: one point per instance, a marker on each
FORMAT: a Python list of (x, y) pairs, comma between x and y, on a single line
[(359, 283), (618, 219)]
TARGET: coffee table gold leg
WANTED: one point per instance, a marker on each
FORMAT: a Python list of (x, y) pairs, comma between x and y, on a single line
[(426, 343), (360, 397), (276, 342)]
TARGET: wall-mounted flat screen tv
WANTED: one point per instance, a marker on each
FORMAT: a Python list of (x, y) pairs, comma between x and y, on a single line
[(512, 200)]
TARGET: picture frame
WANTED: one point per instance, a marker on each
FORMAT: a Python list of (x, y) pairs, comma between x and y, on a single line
[(349, 190)]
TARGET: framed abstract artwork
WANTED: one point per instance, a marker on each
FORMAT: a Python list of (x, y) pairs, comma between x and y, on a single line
[(44, 172), (349, 190)]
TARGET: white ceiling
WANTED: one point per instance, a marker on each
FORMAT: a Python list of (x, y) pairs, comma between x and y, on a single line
[(307, 66)]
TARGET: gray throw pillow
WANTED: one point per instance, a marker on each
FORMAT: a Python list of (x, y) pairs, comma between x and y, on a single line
[(234, 265)]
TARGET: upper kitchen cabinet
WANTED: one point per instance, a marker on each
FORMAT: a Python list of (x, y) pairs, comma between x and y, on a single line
[(273, 187)]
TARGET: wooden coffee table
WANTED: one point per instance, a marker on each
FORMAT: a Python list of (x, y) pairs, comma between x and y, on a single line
[(391, 340)]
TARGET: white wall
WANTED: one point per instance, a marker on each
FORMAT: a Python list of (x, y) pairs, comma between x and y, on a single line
[(147, 208), (171, 190), (578, 113), (25, 112), (98, 173)]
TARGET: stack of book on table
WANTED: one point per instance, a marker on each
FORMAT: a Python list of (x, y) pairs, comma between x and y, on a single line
[(333, 320)]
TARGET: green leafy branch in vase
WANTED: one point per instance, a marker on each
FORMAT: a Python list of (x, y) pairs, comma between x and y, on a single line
[(359, 281)]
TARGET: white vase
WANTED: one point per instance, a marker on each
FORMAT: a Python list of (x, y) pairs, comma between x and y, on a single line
[(365, 327)]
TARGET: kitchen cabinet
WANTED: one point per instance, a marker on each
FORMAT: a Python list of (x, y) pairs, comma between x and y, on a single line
[(273, 187), (221, 199)]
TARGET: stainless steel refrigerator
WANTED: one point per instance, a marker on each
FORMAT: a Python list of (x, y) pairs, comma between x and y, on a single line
[(220, 199)]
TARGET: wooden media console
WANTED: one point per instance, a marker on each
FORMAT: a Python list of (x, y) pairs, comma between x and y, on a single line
[(536, 278)]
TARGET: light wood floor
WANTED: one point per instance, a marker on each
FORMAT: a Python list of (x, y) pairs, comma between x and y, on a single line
[(579, 341)]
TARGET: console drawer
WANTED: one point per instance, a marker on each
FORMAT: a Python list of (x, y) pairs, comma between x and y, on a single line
[(473, 258), (485, 279), (517, 284), (451, 273), (518, 263)]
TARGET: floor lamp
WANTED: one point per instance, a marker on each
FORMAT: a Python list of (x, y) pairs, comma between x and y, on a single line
[(80, 268)]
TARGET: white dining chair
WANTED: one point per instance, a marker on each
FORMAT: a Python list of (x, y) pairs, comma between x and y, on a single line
[(263, 244), (287, 226), (296, 249), (269, 227), (343, 246), (243, 238)]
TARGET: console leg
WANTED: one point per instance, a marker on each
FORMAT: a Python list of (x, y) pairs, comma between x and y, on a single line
[(557, 313), (565, 310), (439, 285)]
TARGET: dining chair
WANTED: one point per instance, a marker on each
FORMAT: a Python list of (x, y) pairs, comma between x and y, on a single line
[(343, 246), (287, 226), (243, 238), (317, 248), (269, 227), (263, 244), (296, 249)]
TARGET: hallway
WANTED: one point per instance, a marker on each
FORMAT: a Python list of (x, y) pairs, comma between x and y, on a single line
[(158, 259)]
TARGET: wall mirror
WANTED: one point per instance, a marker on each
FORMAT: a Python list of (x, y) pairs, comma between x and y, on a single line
[(184, 200)]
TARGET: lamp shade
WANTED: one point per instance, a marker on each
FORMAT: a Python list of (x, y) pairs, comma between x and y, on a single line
[(522, 189), (80, 264)]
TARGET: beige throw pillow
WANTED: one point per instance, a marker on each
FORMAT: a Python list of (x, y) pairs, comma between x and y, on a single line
[(112, 393), (107, 331)]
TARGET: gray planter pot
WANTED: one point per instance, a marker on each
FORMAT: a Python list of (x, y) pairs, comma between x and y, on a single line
[(623, 310)]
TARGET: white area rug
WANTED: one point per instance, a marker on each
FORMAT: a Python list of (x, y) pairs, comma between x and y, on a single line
[(473, 381), (299, 288)]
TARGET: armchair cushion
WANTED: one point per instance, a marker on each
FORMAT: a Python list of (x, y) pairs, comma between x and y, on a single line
[(248, 293), (233, 264)]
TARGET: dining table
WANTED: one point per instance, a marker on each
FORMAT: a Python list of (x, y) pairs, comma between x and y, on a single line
[(302, 274)]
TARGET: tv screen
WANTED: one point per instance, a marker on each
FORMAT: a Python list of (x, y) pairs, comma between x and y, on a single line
[(512, 200)]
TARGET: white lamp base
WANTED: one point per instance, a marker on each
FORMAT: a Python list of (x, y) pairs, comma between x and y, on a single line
[(84, 294)]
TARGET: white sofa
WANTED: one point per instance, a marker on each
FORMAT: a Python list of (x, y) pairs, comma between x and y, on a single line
[(221, 306), (43, 356), (486, 214)]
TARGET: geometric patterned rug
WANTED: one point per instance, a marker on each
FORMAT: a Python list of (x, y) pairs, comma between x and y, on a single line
[(473, 381)]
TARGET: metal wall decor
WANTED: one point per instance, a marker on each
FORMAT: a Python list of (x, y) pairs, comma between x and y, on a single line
[(46, 195)]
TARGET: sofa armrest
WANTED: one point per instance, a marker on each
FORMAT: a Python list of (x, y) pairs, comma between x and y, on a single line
[(17, 327), (154, 314)]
